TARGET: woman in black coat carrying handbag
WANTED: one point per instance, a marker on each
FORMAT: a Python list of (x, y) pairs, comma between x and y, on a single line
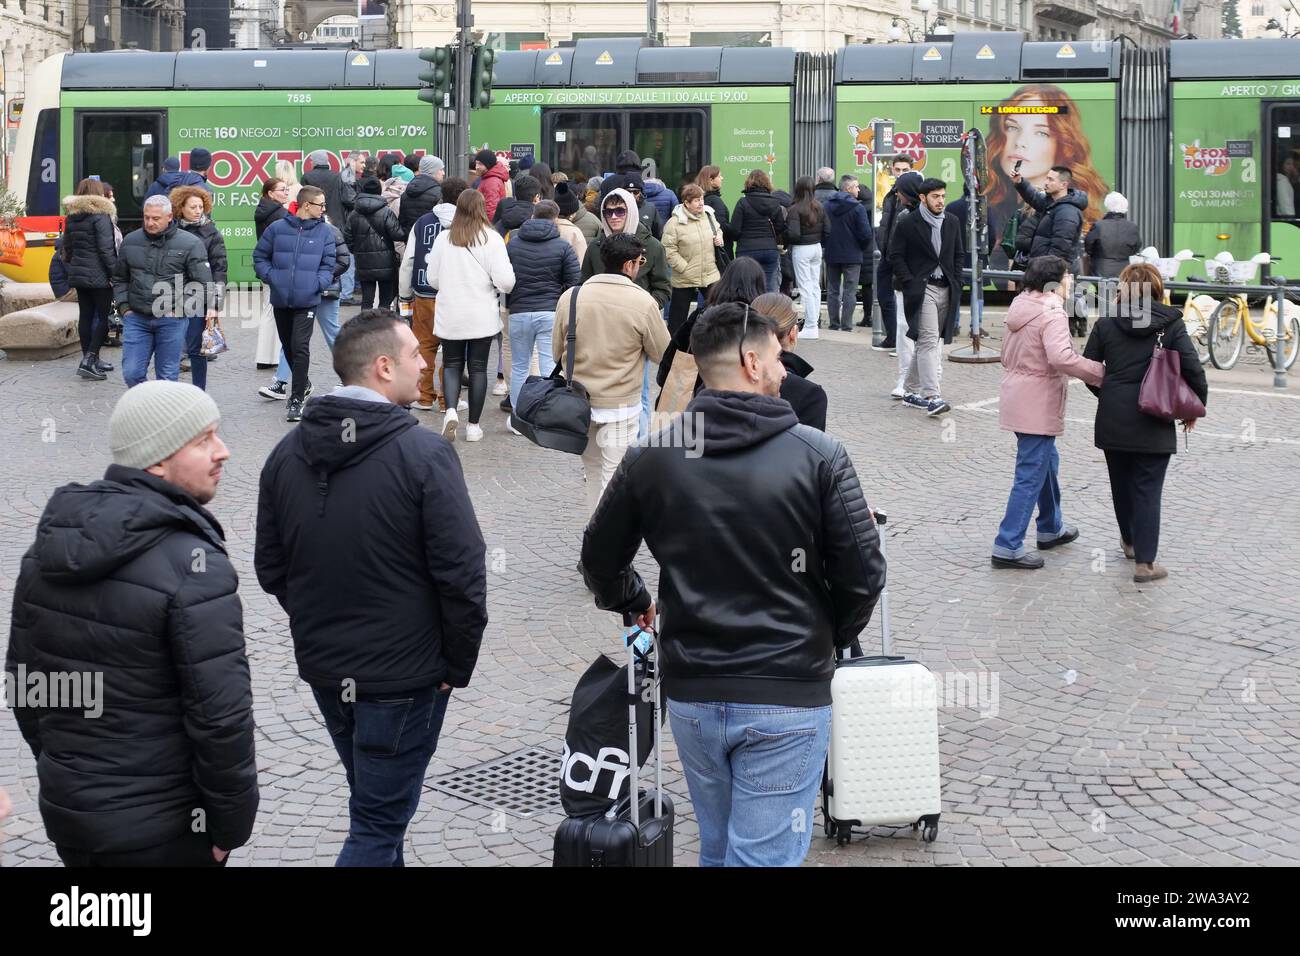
[(371, 231), (89, 251), (1138, 445), (757, 223)]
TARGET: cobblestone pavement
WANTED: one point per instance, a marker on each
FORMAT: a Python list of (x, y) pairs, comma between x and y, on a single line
[(1104, 722)]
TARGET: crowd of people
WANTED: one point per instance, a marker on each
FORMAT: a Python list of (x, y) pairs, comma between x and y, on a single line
[(636, 275)]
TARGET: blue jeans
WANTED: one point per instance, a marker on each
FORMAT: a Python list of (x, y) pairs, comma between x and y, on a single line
[(385, 742), (327, 317), (348, 281), (754, 773), (643, 421), (1035, 484), (526, 330), (193, 348), (143, 338), (770, 260)]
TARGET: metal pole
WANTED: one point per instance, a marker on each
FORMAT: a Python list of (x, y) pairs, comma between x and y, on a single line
[(1279, 368), (877, 320), (464, 68), (652, 19)]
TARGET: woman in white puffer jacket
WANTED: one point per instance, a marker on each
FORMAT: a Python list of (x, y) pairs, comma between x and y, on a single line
[(469, 267)]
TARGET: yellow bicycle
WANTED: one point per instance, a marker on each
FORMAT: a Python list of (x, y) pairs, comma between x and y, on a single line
[(1232, 320)]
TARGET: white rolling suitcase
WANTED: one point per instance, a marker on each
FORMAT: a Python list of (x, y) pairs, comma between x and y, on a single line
[(883, 764)]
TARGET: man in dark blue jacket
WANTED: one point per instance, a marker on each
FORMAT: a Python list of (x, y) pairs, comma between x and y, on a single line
[(172, 177), (384, 629), (545, 265), (1060, 215), (850, 241), (295, 258)]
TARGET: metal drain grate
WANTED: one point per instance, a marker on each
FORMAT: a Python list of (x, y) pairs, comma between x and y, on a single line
[(525, 783)]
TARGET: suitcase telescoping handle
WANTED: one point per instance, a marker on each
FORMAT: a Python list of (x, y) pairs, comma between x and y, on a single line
[(633, 698), (886, 642), (855, 649)]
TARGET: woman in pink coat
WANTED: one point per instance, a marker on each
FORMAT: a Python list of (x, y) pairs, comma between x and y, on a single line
[(1039, 358)]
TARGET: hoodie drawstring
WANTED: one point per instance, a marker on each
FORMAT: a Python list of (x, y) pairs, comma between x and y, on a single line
[(323, 489)]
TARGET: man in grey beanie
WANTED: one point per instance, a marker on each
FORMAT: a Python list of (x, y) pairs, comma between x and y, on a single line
[(146, 757), (339, 196), (423, 192)]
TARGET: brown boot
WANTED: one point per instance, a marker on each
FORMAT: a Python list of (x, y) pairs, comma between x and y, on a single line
[(1145, 573)]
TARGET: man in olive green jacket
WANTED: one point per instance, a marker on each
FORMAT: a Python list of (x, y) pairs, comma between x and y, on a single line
[(618, 214)]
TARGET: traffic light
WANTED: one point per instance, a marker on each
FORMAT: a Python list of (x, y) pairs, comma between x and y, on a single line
[(440, 77), (480, 89)]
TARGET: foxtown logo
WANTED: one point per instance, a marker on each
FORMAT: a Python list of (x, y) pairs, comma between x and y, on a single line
[(610, 759), (1213, 160), (58, 690), (246, 167), (75, 909), (907, 143)]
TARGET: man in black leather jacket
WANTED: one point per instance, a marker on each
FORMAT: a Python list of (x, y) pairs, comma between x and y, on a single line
[(769, 560)]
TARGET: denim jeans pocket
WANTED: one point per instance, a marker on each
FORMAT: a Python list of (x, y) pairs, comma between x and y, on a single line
[(380, 724), (777, 762), (689, 736)]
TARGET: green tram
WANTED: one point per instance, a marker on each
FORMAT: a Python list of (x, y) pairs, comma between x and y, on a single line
[(1206, 156)]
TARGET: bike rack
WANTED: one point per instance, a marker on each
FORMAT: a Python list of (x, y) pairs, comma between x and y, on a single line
[(1276, 289)]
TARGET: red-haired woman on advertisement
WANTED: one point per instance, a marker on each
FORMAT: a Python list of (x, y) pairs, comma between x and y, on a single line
[(1039, 141)]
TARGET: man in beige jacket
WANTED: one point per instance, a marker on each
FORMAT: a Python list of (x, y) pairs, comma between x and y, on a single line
[(619, 326)]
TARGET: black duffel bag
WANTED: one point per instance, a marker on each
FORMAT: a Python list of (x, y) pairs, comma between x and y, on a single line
[(554, 411)]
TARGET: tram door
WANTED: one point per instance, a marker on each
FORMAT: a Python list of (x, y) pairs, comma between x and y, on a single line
[(1282, 149), (124, 148), (586, 143)]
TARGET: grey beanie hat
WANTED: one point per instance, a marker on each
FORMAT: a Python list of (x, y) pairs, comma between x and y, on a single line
[(429, 165), (156, 419)]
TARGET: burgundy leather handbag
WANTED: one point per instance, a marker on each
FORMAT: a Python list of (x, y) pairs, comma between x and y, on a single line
[(1164, 393)]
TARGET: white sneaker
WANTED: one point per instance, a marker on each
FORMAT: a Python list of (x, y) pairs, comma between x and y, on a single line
[(510, 424), (423, 406), (462, 405), (450, 422), (501, 388), (898, 394), (473, 432)]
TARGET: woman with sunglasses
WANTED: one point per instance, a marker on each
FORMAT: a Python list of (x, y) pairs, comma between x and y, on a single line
[(808, 399)]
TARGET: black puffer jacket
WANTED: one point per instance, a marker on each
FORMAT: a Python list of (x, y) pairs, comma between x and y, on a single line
[(342, 259), (1126, 348), (1110, 242), (420, 196), (148, 265), (89, 246), (1060, 222), (418, 590), (370, 233), (206, 231), (756, 221), (742, 621), (267, 212), (129, 577), (545, 265)]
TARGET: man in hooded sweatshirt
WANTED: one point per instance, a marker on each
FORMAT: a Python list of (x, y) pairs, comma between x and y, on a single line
[(391, 509), (129, 581), (618, 214), (413, 287), (172, 177), (748, 642), (514, 211)]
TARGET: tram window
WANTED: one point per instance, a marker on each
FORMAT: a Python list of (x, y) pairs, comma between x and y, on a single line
[(674, 140), (43, 177), (1284, 151), (583, 144), (122, 148)]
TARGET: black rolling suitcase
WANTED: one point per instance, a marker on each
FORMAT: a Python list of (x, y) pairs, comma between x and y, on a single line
[(628, 834)]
